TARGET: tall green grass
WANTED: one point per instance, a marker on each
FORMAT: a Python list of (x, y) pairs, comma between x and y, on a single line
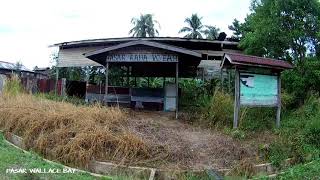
[(13, 86)]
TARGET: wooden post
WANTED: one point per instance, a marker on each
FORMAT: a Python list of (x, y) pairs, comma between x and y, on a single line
[(100, 91), (236, 99), (177, 88), (203, 74), (279, 102), (63, 87), (222, 79), (229, 81), (57, 79), (106, 88)]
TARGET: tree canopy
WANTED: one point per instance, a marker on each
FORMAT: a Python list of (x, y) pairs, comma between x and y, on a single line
[(236, 28), (211, 32), (144, 26), (286, 29), (194, 27)]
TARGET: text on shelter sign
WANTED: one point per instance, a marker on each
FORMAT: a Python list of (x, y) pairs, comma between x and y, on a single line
[(142, 58)]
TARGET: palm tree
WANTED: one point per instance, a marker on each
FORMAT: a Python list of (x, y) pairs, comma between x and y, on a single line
[(211, 32), (194, 27), (144, 26)]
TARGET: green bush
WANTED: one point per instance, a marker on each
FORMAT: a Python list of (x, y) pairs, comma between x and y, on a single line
[(298, 134), (312, 132), (303, 79), (257, 119), (278, 152)]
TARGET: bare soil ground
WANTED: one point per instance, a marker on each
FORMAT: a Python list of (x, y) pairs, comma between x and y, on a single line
[(190, 147)]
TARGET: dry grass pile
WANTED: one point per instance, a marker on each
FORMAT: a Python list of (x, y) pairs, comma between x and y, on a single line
[(73, 134)]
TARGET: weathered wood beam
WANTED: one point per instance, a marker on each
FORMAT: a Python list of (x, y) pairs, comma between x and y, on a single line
[(107, 80), (236, 99)]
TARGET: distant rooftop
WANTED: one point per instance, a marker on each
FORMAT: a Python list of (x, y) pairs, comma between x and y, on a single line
[(12, 66)]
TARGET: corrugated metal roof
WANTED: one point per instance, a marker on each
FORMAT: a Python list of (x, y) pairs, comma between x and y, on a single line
[(12, 66), (125, 39), (240, 59)]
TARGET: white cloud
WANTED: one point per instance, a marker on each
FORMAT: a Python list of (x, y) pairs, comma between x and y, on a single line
[(28, 27)]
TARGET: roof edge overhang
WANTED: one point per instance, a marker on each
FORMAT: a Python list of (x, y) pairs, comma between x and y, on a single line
[(176, 49), (126, 39), (234, 63)]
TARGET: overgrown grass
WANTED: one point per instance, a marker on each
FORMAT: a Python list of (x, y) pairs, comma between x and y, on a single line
[(299, 134), (73, 134), (10, 157), (58, 98)]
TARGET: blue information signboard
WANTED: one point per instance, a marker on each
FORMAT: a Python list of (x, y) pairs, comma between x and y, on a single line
[(258, 89)]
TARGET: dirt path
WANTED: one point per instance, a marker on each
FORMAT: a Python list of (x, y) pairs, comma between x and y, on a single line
[(189, 147)]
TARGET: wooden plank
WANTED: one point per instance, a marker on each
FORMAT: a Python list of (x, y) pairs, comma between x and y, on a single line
[(107, 78), (57, 78), (237, 99), (147, 99), (146, 43), (73, 57)]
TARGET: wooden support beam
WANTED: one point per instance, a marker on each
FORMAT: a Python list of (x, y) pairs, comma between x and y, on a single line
[(107, 80), (229, 81), (221, 79), (236, 99), (57, 79), (177, 88), (279, 102)]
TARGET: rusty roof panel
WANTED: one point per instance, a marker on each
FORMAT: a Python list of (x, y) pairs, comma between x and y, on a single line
[(240, 59)]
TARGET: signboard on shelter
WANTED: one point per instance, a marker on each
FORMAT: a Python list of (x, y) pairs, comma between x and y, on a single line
[(258, 89), (142, 57)]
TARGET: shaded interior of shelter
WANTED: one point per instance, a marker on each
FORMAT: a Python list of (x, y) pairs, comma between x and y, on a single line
[(146, 97)]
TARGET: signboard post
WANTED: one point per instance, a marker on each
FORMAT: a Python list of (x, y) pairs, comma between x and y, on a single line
[(257, 82), (256, 90)]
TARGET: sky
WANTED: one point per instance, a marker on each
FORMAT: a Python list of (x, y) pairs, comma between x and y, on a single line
[(28, 27)]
